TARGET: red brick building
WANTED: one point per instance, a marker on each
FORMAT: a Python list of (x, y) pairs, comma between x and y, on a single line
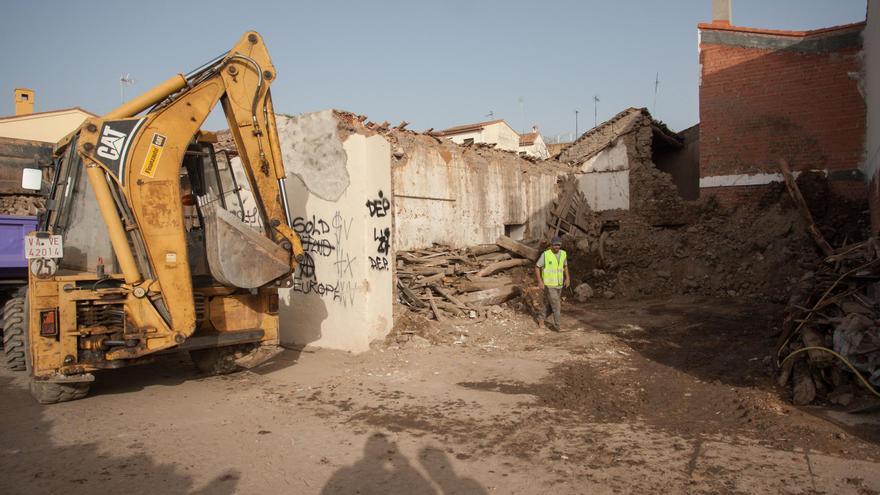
[(768, 94)]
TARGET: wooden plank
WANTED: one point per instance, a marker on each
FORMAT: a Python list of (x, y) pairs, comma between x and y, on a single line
[(409, 294), (490, 297), (437, 314), (804, 210), (431, 279), (494, 257), (483, 249), (502, 265), (518, 248), (445, 293)]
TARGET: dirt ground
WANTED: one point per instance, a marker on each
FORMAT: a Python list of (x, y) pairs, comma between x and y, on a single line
[(651, 396)]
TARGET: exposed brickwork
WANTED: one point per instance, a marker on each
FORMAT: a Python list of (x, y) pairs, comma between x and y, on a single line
[(758, 105)]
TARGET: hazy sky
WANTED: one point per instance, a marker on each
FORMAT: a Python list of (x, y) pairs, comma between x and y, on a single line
[(432, 63)]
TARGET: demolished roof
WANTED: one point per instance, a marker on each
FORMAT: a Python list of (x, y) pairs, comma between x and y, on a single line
[(621, 124)]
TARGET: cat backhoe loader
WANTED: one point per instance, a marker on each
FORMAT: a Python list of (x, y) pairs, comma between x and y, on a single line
[(145, 246)]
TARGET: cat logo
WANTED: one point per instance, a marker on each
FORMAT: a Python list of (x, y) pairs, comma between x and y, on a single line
[(111, 143)]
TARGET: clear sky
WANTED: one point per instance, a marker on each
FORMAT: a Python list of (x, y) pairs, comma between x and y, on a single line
[(432, 63)]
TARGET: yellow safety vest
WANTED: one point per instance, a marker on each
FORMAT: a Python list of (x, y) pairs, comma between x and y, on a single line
[(553, 272)]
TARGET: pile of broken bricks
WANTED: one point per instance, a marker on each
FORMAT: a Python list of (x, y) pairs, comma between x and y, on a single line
[(444, 283)]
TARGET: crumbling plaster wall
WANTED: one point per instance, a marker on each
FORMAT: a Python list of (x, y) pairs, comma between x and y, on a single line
[(338, 187), (462, 196)]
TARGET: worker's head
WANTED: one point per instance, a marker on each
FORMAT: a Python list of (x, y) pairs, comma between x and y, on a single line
[(556, 244)]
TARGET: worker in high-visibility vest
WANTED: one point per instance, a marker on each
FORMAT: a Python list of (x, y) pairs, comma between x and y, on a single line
[(551, 271)]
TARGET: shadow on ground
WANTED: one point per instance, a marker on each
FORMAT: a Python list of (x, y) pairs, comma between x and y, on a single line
[(170, 370), (33, 462), (385, 470), (706, 338)]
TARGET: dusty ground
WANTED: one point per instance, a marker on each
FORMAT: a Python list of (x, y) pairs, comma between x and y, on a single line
[(671, 396)]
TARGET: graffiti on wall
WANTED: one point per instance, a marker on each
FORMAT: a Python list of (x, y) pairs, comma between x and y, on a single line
[(378, 208), (321, 238)]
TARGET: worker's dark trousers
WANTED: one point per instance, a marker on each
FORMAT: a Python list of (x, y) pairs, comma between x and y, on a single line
[(553, 303)]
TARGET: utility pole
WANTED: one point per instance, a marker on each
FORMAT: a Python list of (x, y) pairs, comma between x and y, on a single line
[(522, 114), (575, 122), (595, 110), (656, 86)]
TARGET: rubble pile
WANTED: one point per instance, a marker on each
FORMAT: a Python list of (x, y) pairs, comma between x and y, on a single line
[(20, 204), (755, 250), (830, 336)]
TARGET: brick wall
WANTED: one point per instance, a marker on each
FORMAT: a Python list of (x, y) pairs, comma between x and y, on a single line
[(853, 190), (769, 96)]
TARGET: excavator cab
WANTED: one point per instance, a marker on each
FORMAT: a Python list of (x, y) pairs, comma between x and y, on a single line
[(153, 242)]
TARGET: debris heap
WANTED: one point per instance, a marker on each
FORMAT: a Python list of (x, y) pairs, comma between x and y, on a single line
[(445, 283), (830, 339)]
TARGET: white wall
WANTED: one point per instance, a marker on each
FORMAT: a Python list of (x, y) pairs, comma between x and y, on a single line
[(48, 127), (452, 196), (499, 134), (605, 178), (339, 193), (538, 149)]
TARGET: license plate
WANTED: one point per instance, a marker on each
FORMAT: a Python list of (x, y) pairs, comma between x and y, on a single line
[(43, 247)]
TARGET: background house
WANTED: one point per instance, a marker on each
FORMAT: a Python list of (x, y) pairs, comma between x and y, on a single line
[(48, 127), (499, 133)]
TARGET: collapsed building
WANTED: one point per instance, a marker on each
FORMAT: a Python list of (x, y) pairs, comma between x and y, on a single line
[(633, 162)]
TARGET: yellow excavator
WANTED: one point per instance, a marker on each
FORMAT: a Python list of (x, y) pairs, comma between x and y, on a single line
[(145, 245)]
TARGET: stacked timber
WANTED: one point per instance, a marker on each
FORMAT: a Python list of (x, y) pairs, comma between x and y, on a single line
[(444, 282)]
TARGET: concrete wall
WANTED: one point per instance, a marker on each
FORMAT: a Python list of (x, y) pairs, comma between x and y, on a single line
[(771, 95), (448, 194), (340, 196), (871, 85)]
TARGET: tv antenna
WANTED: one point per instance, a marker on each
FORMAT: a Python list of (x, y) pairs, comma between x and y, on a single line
[(656, 87), (123, 81), (490, 115), (595, 110)]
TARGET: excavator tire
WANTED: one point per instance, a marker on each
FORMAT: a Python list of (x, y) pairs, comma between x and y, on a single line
[(15, 333), (53, 393), (219, 360)]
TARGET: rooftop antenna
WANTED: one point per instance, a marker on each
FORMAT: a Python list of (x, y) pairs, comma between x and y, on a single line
[(123, 81), (656, 86), (490, 115), (576, 122), (595, 110)]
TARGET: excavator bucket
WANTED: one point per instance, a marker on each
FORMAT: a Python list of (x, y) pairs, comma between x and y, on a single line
[(238, 255)]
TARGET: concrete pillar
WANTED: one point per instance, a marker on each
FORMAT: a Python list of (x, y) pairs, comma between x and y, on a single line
[(339, 192), (721, 11)]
